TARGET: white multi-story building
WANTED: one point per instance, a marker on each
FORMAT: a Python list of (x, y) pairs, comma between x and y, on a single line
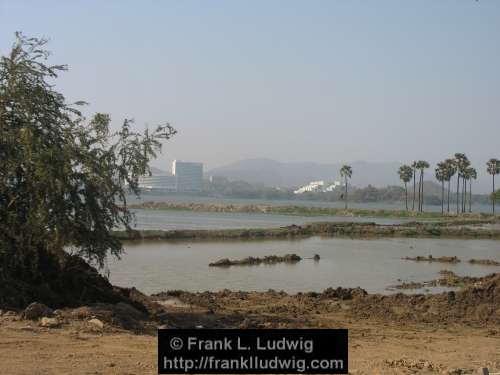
[(318, 186), (188, 176), (165, 182)]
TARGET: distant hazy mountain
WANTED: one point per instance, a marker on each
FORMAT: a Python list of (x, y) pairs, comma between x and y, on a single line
[(274, 173)]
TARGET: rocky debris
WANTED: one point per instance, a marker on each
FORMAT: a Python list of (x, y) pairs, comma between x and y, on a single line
[(96, 323), (408, 285), (36, 311), (430, 258), (447, 279), (49, 322), (484, 262), (414, 365), (458, 371), (343, 293), (269, 259)]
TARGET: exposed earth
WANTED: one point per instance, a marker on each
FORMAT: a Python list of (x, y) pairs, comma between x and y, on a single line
[(448, 333)]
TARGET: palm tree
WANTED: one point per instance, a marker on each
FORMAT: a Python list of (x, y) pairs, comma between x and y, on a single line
[(462, 163), (405, 174), (346, 172), (414, 166), (421, 165), (493, 168), (441, 175), (472, 175), (451, 169)]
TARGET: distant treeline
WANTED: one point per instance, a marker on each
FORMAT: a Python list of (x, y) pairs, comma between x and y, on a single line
[(242, 189)]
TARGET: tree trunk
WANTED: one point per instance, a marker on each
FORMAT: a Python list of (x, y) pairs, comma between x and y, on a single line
[(414, 187), (346, 192), (419, 188), (464, 188), (406, 196), (464, 193), (449, 195), (422, 204), (470, 195), (442, 197), (493, 197), (458, 191)]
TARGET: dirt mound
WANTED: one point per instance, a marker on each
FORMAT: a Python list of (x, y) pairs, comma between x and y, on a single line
[(478, 303)]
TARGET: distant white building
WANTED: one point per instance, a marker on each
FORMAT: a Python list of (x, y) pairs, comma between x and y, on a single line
[(185, 177), (154, 182), (188, 176), (318, 186)]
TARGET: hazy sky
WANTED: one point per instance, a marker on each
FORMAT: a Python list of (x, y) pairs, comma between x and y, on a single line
[(321, 81)]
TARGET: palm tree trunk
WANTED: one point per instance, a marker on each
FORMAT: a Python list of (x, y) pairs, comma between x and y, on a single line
[(493, 195), (464, 204), (458, 192), (406, 196), (414, 187), (470, 195), (464, 193), (422, 187), (419, 188), (442, 197), (449, 195), (346, 192)]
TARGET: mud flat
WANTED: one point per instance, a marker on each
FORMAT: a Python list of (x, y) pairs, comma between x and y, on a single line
[(484, 262), (447, 279), (332, 229), (431, 259), (253, 261), (312, 211), (446, 333)]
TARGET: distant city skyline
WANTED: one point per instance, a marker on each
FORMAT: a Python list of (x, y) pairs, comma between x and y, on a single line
[(320, 81)]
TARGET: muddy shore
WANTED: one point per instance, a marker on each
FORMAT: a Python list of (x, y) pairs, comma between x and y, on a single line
[(447, 333), (307, 210), (442, 229)]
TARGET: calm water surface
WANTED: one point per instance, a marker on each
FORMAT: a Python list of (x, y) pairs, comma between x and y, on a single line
[(176, 219), (371, 264)]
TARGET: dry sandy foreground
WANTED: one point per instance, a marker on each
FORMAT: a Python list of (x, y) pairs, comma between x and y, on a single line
[(376, 346)]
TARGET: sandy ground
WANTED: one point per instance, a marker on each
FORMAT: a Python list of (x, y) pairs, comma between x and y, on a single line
[(376, 346)]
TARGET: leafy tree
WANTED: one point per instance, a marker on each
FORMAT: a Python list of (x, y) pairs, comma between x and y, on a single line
[(346, 172), (405, 174), (493, 168), (441, 176), (63, 179)]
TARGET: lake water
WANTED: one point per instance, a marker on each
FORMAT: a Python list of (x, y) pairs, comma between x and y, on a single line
[(372, 264), (176, 219)]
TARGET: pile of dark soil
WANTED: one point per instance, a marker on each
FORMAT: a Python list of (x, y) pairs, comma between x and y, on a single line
[(478, 302), (63, 281)]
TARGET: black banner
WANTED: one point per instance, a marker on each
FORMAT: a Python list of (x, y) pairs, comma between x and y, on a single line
[(252, 351)]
